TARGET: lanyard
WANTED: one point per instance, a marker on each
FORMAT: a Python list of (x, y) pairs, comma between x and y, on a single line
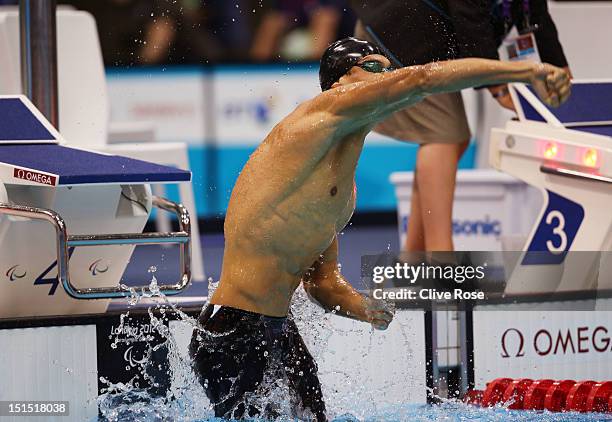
[(507, 13)]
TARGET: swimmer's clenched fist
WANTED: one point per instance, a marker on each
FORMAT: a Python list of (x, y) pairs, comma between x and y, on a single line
[(294, 195), (379, 313), (551, 83)]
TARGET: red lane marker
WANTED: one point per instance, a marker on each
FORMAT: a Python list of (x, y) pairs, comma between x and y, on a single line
[(473, 397), (577, 396), (598, 399), (557, 394), (515, 392), (535, 395), (494, 392)]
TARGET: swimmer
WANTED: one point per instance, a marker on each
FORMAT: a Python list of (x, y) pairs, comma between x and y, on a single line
[(293, 196)]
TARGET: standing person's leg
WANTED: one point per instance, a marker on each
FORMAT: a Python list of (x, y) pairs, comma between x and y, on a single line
[(415, 234), (435, 178), (439, 123)]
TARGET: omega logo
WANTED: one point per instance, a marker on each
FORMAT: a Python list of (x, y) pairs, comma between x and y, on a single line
[(547, 342)]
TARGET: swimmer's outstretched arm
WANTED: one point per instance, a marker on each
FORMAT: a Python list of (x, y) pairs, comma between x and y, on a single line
[(370, 101), (551, 83), (326, 286)]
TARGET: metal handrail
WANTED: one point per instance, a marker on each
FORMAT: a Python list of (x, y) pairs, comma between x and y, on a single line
[(568, 172), (64, 241)]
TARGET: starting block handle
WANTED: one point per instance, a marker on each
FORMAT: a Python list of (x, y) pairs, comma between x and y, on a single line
[(64, 241), (569, 172)]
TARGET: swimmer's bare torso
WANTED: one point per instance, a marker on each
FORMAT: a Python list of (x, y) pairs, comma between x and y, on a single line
[(294, 195), (297, 191)]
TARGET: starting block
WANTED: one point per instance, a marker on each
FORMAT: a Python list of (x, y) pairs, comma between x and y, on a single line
[(567, 154), (70, 219)]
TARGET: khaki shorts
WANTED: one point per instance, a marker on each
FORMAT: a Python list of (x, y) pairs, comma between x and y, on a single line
[(438, 118)]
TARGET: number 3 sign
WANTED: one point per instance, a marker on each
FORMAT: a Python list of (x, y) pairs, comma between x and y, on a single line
[(556, 231)]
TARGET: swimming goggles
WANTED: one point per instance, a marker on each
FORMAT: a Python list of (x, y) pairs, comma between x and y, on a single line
[(374, 66)]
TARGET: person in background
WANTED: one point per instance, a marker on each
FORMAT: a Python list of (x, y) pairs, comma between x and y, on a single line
[(122, 25), (179, 33), (526, 16), (416, 32), (300, 29), (145, 32), (192, 31)]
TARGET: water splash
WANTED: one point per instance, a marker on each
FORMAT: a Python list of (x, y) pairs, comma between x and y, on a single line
[(184, 398)]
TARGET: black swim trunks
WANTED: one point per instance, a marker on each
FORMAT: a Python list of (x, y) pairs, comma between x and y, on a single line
[(233, 352)]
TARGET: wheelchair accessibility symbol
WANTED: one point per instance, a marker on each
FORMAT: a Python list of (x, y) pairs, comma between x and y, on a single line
[(556, 231)]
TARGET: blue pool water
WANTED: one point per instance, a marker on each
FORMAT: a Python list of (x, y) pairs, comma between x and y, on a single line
[(456, 412), (449, 411)]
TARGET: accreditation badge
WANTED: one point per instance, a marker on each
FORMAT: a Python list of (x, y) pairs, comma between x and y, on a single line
[(521, 47)]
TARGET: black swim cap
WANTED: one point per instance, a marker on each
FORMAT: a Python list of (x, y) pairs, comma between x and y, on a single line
[(339, 57)]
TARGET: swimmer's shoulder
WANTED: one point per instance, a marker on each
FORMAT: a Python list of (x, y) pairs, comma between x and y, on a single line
[(309, 115)]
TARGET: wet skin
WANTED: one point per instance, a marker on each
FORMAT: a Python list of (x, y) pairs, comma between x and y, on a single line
[(297, 190)]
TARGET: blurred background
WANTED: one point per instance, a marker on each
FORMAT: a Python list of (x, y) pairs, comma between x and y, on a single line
[(163, 32), (215, 74), (219, 74)]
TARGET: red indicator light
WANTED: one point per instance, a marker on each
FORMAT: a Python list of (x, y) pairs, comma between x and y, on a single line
[(550, 150), (590, 158)]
